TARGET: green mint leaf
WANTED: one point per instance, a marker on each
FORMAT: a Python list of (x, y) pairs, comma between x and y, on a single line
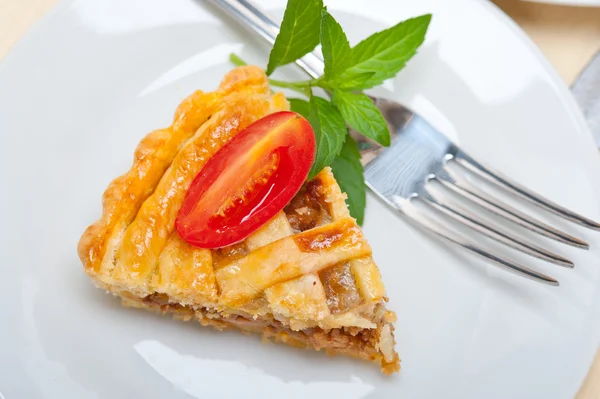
[(385, 53), (361, 114), (348, 84), (353, 81), (335, 46), (299, 32), (348, 172), (330, 133), (300, 106)]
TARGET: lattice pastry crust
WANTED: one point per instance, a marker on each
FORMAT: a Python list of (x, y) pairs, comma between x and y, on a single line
[(306, 278)]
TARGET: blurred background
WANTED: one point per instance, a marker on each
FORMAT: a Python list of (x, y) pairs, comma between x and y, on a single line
[(569, 36)]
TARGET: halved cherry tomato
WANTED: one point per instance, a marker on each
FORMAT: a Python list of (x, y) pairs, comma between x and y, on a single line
[(248, 181)]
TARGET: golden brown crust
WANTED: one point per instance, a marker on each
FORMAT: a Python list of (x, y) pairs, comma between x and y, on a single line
[(125, 195), (186, 272), (146, 236), (289, 258), (307, 269)]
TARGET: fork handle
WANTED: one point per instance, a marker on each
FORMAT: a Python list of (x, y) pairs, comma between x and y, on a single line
[(251, 16)]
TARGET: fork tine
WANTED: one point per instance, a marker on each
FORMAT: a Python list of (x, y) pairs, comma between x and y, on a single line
[(500, 208), (517, 189), (467, 218), (414, 215)]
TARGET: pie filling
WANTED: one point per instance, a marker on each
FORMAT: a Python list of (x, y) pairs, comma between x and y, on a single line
[(374, 344)]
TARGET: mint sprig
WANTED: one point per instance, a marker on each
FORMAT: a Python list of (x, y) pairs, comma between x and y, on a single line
[(348, 71), (300, 106), (361, 114), (330, 132), (299, 33), (385, 53), (348, 172), (335, 46)]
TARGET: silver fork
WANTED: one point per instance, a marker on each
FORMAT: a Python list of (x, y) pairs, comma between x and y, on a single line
[(420, 154)]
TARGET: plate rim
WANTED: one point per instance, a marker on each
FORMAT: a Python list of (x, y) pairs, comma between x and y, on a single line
[(565, 93)]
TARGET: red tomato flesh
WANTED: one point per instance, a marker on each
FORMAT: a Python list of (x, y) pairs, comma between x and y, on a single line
[(248, 181)]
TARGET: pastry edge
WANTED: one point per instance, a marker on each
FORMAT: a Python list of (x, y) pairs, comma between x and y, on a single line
[(388, 364)]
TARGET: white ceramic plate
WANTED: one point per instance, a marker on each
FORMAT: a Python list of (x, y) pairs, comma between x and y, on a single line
[(87, 83)]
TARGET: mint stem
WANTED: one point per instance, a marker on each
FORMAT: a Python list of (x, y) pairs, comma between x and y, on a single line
[(236, 60), (302, 87), (291, 85)]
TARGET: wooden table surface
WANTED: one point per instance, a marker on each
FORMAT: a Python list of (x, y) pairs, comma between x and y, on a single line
[(568, 36)]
